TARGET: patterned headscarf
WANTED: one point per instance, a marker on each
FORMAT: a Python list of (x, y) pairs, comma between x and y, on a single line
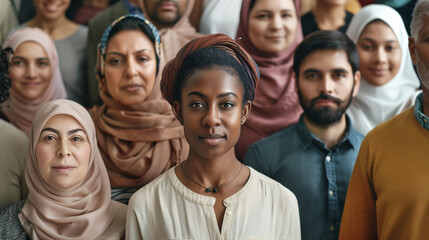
[(222, 41)]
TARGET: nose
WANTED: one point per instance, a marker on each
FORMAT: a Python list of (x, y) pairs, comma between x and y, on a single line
[(381, 56), (212, 117), (276, 22), (64, 149), (30, 71), (131, 69), (327, 85)]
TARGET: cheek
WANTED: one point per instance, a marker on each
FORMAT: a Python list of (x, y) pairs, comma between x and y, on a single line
[(396, 61), (256, 29), (45, 74), (44, 156), (16, 75), (84, 155), (112, 77)]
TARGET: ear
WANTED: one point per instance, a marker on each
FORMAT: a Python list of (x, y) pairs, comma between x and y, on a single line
[(296, 81), (177, 110), (357, 83), (246, 110), (412, 48)]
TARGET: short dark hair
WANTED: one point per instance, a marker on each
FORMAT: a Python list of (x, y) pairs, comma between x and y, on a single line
[(212, 58), (322, 40), (5, 82)]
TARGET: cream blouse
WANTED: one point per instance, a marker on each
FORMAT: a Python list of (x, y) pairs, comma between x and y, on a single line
[(167, 209)]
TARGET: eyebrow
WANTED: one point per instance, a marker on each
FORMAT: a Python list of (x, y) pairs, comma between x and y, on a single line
[(372, 40), (218, 96), (69, 132), (312, 70), (118, 53)]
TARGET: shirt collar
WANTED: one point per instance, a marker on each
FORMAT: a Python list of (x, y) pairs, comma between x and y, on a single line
[(351, 137), (131, 8), (418, 114)]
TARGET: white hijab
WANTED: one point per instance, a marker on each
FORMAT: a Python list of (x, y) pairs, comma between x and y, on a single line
[(376, 104)]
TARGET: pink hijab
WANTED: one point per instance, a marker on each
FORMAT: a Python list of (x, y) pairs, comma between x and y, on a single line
[(19, 111), (276, 104), (82, 213)]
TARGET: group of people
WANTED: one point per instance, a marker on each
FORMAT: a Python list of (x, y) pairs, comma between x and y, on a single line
[(270, 135)]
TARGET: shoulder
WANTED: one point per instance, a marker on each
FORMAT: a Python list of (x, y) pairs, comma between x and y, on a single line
[(10, 226), (12, 134), (273, 188), (273, 141), (395, 125)]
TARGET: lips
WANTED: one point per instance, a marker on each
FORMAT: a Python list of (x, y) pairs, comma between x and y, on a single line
[(51, 8), (325, 102), (132, 87), (63, 169), (379, 72), (30, 84), (212, 139), (169, 6)]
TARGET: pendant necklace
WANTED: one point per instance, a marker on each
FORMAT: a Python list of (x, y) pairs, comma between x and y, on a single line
[(213, 188)]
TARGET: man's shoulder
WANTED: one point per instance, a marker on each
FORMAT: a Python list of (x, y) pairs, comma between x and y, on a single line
[(278, 137), (395, 124)]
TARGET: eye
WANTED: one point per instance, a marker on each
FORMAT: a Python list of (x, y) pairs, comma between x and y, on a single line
[(287, 15), (42, 63), (312, 76), (366, 47), (17, 62), (262, 16), (77, 139), (196, 105), (49, 139), (339, 75), (143, 59), (115, 61), (227, 105), (390, 48)]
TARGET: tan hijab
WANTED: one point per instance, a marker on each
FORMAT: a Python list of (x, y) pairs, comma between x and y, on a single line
[(83, 213), (19, 111), (141, 141)]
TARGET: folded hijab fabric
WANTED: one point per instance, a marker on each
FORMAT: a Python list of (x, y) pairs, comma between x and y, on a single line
[(141, 141), (220, 40), (276, 105), (85, 212), (376, 104), (19, 111)]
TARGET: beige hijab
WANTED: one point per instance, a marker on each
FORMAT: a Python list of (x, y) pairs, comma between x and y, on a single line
[(19, 111), (83, 213), (141, 141)]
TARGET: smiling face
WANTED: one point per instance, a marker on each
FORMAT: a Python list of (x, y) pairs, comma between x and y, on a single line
[(326, 86), (212, 112), (30, 70), (379, 53), (272, 25), (51, 9), (63, 153), (165, 13), (130, 67)]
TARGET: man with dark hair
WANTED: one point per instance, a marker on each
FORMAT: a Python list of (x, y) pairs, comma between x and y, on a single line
[(315, 157), (388, 196), (171, 18)]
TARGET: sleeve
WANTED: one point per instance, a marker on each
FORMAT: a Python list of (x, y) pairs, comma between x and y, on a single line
[(132, 230), (359, 217), (91, 52), (253, 159), (292, 228)]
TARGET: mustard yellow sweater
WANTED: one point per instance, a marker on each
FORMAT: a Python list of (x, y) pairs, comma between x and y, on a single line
[(388, 195)]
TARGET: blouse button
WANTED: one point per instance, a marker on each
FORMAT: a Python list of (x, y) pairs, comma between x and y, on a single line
[(328, 158), (228, 213)]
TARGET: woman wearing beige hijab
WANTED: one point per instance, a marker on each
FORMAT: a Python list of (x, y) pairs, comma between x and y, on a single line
[(35, 75), (69, 190), (138, 134)]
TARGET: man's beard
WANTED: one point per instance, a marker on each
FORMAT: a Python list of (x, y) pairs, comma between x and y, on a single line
[(162, 20), (325, 115)]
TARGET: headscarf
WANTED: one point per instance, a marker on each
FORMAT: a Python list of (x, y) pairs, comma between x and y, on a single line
[(82, 213), (175, 37), (276, 105), (141, 141), (19, 111), (376, 104), (219, 40)]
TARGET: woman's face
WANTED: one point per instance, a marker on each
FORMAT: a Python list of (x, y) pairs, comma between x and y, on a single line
[(272, 25), (212, 112), (130, 67), (379, 53), (30, 70), (51, 9), (63, 153)]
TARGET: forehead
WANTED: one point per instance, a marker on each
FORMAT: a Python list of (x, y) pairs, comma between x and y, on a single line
[(378, 30), (30, 48), (127, 39), (424, 30), (212, 81), (274, 5), (326, 60)]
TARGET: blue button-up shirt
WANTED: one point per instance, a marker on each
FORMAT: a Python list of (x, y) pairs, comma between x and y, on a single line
[(317, 175)]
